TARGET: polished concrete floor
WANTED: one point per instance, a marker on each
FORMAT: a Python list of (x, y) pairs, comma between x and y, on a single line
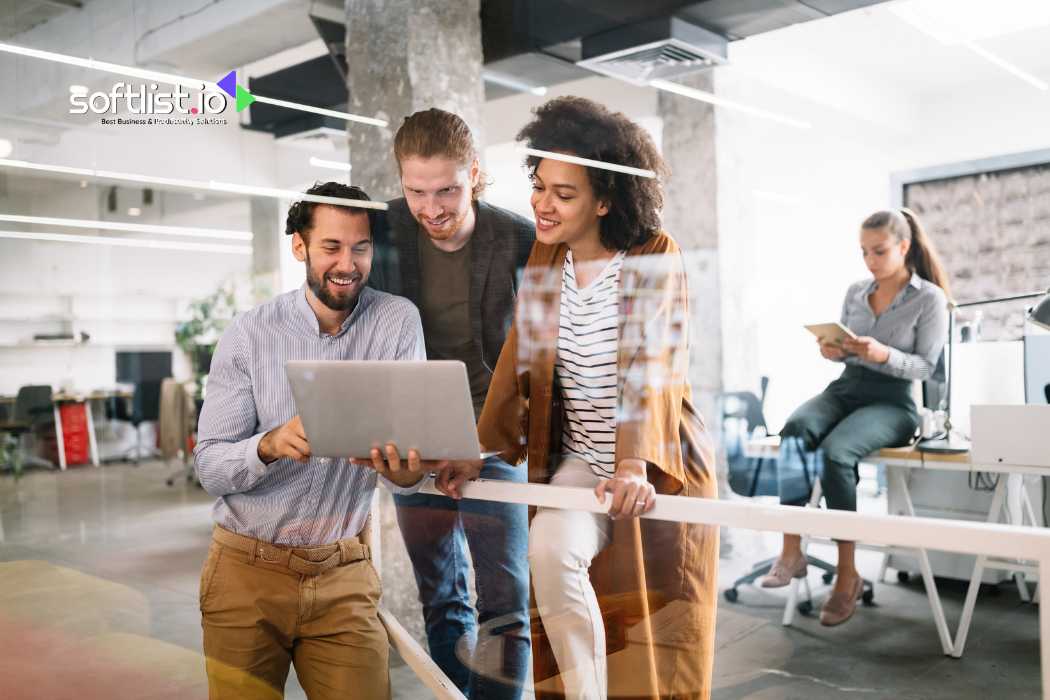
[(98, 599)]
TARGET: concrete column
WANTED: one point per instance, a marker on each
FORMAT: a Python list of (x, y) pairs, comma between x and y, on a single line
[(691, 217), (404, 56), (267, 237)]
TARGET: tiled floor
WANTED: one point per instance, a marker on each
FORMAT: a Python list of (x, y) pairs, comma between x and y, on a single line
[(98, 599)]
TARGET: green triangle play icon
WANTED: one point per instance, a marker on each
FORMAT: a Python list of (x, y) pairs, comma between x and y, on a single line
[(244, 98)]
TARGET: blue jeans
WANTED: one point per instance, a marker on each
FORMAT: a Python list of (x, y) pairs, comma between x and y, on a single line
[(437, 533)]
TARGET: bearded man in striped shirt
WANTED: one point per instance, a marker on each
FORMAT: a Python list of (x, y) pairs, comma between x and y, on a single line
[(288, 577)]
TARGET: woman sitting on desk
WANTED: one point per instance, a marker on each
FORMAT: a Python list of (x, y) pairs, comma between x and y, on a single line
[(901, 319)]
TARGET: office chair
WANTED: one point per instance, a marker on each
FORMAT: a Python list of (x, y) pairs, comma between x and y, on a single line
[(752, 413), (745, 406), (177, 423), (33, 409)]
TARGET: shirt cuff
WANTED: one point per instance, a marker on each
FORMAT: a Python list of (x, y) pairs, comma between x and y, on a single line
[(251, 455), (895, 362), (403, 490)]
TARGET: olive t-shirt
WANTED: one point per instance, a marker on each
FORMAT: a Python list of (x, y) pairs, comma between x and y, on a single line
[(444, 305)]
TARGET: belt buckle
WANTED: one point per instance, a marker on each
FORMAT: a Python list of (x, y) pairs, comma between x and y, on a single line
[(263, 550)]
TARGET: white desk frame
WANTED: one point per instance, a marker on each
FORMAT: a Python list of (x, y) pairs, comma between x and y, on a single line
[(1011, 489), (1013, 484)]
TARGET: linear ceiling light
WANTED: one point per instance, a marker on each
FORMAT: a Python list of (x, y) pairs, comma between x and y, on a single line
[(512, 83), (1007, 66), (615, 167), (711, 98), (211, 185), (135, 228), (330, 164), (171, 78), (129, 242), (943, 33)]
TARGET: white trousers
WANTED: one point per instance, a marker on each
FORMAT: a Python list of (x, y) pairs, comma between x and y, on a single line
[(562, 544)]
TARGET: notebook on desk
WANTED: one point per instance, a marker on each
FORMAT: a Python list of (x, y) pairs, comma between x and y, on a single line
[(1010, 434)]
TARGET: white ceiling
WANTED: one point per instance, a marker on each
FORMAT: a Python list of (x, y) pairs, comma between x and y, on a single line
[(877, 46)]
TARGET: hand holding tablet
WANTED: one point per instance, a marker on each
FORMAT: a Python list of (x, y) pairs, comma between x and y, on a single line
[(831, 333)]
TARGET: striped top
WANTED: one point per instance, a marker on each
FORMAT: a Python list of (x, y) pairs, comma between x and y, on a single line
[(588, 337), (287, 502)]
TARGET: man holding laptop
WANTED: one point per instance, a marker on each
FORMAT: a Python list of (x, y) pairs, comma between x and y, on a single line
[(288, 577), (459, 260)]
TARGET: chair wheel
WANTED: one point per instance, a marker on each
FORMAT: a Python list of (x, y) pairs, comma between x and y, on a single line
[(805, 607), (903, 577), (827, 578), (730, 594), (868, 597)]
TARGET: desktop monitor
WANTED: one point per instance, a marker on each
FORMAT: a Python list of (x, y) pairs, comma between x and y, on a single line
[(134, 367)]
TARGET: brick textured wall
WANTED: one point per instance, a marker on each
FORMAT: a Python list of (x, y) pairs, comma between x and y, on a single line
[(993, 233)]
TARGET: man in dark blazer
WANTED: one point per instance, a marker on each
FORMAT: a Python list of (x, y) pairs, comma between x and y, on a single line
[(460, 260)]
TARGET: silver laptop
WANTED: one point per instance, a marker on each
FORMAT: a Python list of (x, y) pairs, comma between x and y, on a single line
[(1013, 434), (350, 406)]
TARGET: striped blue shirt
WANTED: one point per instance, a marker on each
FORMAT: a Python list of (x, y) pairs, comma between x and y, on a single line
[(248, 394)]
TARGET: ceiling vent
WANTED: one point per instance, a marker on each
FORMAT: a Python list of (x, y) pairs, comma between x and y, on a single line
[(658, 49)]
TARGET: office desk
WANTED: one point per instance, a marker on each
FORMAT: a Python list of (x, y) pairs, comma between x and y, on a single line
[(896, 460)]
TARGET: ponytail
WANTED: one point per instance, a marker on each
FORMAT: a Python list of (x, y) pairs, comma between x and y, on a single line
[(922, 259)]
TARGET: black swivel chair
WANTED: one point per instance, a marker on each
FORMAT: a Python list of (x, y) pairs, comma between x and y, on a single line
[(745, 405), (33, 409)]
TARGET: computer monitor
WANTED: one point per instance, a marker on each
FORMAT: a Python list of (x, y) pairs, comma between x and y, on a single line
[(134, 367), (987, 372), (1037, 369)]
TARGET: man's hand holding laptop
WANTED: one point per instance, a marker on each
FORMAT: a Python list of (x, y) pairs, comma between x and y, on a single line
[(388, 464), (287, 440)]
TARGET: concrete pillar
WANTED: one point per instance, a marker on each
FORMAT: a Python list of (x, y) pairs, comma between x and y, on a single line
[(267, 237), (403, 56), (691, 217)]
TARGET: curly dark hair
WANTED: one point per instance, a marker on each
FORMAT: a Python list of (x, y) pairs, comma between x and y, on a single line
[(587, 129), (301, 214)]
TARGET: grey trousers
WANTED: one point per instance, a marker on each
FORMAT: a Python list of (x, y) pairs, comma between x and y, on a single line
[(858, 413)]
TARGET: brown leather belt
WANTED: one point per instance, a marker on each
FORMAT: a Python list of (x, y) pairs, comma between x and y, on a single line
[(308, 561)]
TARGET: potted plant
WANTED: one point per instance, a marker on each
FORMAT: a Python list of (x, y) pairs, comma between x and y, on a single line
[(198, 335)]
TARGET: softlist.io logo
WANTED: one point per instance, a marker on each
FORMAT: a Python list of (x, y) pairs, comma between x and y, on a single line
[(147, 99)]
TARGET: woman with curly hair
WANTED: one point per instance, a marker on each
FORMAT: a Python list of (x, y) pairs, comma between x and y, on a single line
[(592, 388)]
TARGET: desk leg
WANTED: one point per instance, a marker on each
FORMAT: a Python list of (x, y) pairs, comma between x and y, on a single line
[(92, 443), (1015, 500), (978, 572), (59, 440), (927, 571)]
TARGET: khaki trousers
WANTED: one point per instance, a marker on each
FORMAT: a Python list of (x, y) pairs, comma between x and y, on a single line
[(265, 606)]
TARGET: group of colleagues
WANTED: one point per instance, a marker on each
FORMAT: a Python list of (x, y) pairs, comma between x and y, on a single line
[(574, 331)]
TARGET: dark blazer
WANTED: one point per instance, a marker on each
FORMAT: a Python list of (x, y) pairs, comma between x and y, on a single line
[(501, 244)]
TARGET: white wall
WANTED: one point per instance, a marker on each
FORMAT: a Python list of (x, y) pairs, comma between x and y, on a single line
[(882, 98)]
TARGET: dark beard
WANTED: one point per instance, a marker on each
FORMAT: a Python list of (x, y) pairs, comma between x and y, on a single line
[(320, 290)]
